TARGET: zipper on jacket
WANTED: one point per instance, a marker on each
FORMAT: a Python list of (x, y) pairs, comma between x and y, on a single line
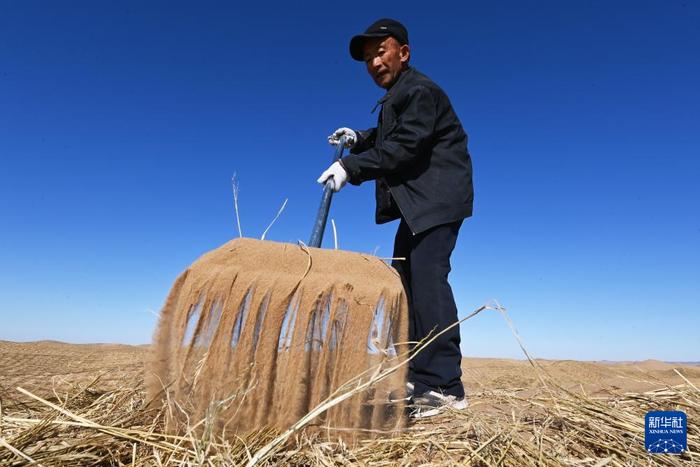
[(381, 115), (381, 101)]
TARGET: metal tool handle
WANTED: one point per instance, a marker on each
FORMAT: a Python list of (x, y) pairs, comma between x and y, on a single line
[(322, 216)]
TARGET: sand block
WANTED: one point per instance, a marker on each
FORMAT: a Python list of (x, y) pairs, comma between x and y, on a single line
[(256, 333)]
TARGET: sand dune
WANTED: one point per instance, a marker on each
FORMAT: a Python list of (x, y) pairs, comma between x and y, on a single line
[(45, 365)]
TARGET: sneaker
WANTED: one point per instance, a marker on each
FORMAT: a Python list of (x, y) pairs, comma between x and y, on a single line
[(433, 403), (405, 396)]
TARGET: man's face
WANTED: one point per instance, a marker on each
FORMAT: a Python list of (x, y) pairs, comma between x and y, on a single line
[(385, 58)]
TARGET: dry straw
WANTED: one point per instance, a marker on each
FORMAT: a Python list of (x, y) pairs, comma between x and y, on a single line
[(551, 427)]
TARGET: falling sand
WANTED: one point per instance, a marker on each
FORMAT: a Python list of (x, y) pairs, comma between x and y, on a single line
[(256, 334)]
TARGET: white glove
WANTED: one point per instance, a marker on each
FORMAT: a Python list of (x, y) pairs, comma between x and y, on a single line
[(337, 174), (350, 137)]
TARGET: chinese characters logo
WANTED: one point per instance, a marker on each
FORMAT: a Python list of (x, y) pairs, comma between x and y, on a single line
[(665, 432)]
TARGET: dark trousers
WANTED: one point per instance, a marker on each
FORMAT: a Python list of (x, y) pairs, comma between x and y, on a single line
[(431, 306)]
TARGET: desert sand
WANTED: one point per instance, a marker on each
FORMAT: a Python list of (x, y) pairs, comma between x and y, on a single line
[(86, 405), (46, 365)]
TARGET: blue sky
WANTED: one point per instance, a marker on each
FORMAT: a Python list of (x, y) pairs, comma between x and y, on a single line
[(121, 124)]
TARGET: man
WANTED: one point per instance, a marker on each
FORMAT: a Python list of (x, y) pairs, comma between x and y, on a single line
[(418, 157)]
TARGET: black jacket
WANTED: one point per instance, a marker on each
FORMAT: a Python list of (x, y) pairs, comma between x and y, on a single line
[(418, 156)]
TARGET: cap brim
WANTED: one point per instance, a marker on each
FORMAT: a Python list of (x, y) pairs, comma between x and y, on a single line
[(357, 44)]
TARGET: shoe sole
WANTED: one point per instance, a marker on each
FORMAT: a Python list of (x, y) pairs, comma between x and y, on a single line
[(409, 393), (456, 405)]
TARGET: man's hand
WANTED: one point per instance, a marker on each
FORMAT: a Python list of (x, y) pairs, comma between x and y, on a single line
[(337, 174), (350, 137)]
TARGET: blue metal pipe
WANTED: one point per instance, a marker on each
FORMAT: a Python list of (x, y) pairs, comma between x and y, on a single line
[(322, 215)]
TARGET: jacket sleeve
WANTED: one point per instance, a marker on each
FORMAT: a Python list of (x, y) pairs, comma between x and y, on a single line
[(365, 140), (403, 144)]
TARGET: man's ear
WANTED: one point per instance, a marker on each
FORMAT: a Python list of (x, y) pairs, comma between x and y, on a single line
[(404, 53)]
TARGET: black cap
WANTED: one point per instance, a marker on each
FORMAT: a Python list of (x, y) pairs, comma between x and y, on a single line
[(380, 28)]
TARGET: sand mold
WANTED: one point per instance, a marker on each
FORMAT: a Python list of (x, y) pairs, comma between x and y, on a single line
[(273, 329)]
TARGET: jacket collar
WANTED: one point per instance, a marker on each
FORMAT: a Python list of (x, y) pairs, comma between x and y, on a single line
[(402, 77)]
